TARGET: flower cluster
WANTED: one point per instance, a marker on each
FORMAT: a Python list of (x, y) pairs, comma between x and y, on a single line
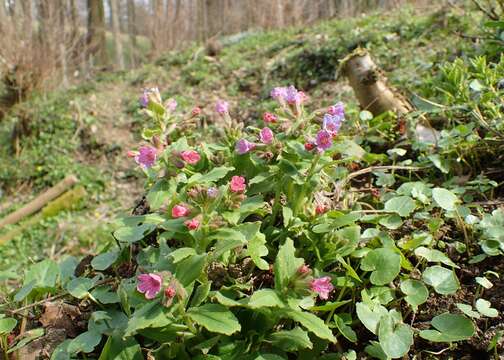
[(288, 95)]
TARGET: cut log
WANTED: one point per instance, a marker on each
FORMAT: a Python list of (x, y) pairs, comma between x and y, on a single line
[(40, 201), (373, 93), (370, 85)]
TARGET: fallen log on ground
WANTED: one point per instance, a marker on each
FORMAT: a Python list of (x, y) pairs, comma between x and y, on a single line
[(40, 201)]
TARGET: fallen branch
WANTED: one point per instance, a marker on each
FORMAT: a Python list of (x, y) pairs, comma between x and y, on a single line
[(40, 201)]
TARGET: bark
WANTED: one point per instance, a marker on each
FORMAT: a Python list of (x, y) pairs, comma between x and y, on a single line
[(27, 17), (96, 31), (132, 30), (370, 85), (62, 42), (114, 13)]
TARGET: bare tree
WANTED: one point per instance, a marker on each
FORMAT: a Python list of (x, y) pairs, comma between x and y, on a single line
[(132, 30), (96, 40), (114, 14)]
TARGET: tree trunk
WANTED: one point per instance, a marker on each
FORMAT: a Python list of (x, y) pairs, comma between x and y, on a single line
[(114, 13), (62, 42), (96, 32), (132, 31)]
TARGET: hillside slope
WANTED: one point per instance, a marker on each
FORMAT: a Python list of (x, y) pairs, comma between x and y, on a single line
[(87, 130)]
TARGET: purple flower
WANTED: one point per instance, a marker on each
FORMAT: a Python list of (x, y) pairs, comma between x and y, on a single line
[(266, 135), (337, 109), (292, 96), (322, 286), (324, 140), (149, 284), (146, 156), (171, 104), (332, 123), (243, 146), (212, 192), (222, 107), (149, 94), (279, 93)]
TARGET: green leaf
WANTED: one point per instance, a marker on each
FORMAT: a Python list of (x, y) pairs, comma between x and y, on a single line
[(105, 260), (395, 339), (134, 233), (444, 281), (181, 254), (119, 349), (384, 263), (344, 329), (375, 350), (85, 342), (287, 215), (415, 291), (312, 323), (79, 287), (402, 205), (286, 265), (449, 328), (365, 115), (256, 249), (159, 194), (104, 295), (264, 298), (7, 325), (445, 199), (291, 340), (468, 310), (212, 176), (190, 269), (442, 164), (215, 318), (150, 315), (485, 308), (433, 255), (201, 293), (370, 316)]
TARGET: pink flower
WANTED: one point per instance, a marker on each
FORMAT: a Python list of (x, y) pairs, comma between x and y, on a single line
[(179, 211), (192, 224), (304, 269), (149, 284), (222, 107), (269, 118), (320, 209), (146, 156), (238, 184), (322, 286), (196, 111), (243, 146), (293, 96), (190, 156), (132, 154), (266, 135), (170, 292), (171, 104), (324, 140)]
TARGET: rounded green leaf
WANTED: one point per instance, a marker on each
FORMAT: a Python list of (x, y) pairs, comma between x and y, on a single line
[(395, 339), (444, 281), (344, 329), (384, 263), (445, 199), (105, 260), (416, 292), (485, 308), (433, 255), (449, 328), (7, 325), (402, 205)]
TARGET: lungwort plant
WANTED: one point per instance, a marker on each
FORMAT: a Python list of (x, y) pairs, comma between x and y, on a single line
[(252, 244)]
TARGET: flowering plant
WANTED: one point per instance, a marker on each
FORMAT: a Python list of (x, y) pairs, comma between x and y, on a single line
[(250, 243)]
